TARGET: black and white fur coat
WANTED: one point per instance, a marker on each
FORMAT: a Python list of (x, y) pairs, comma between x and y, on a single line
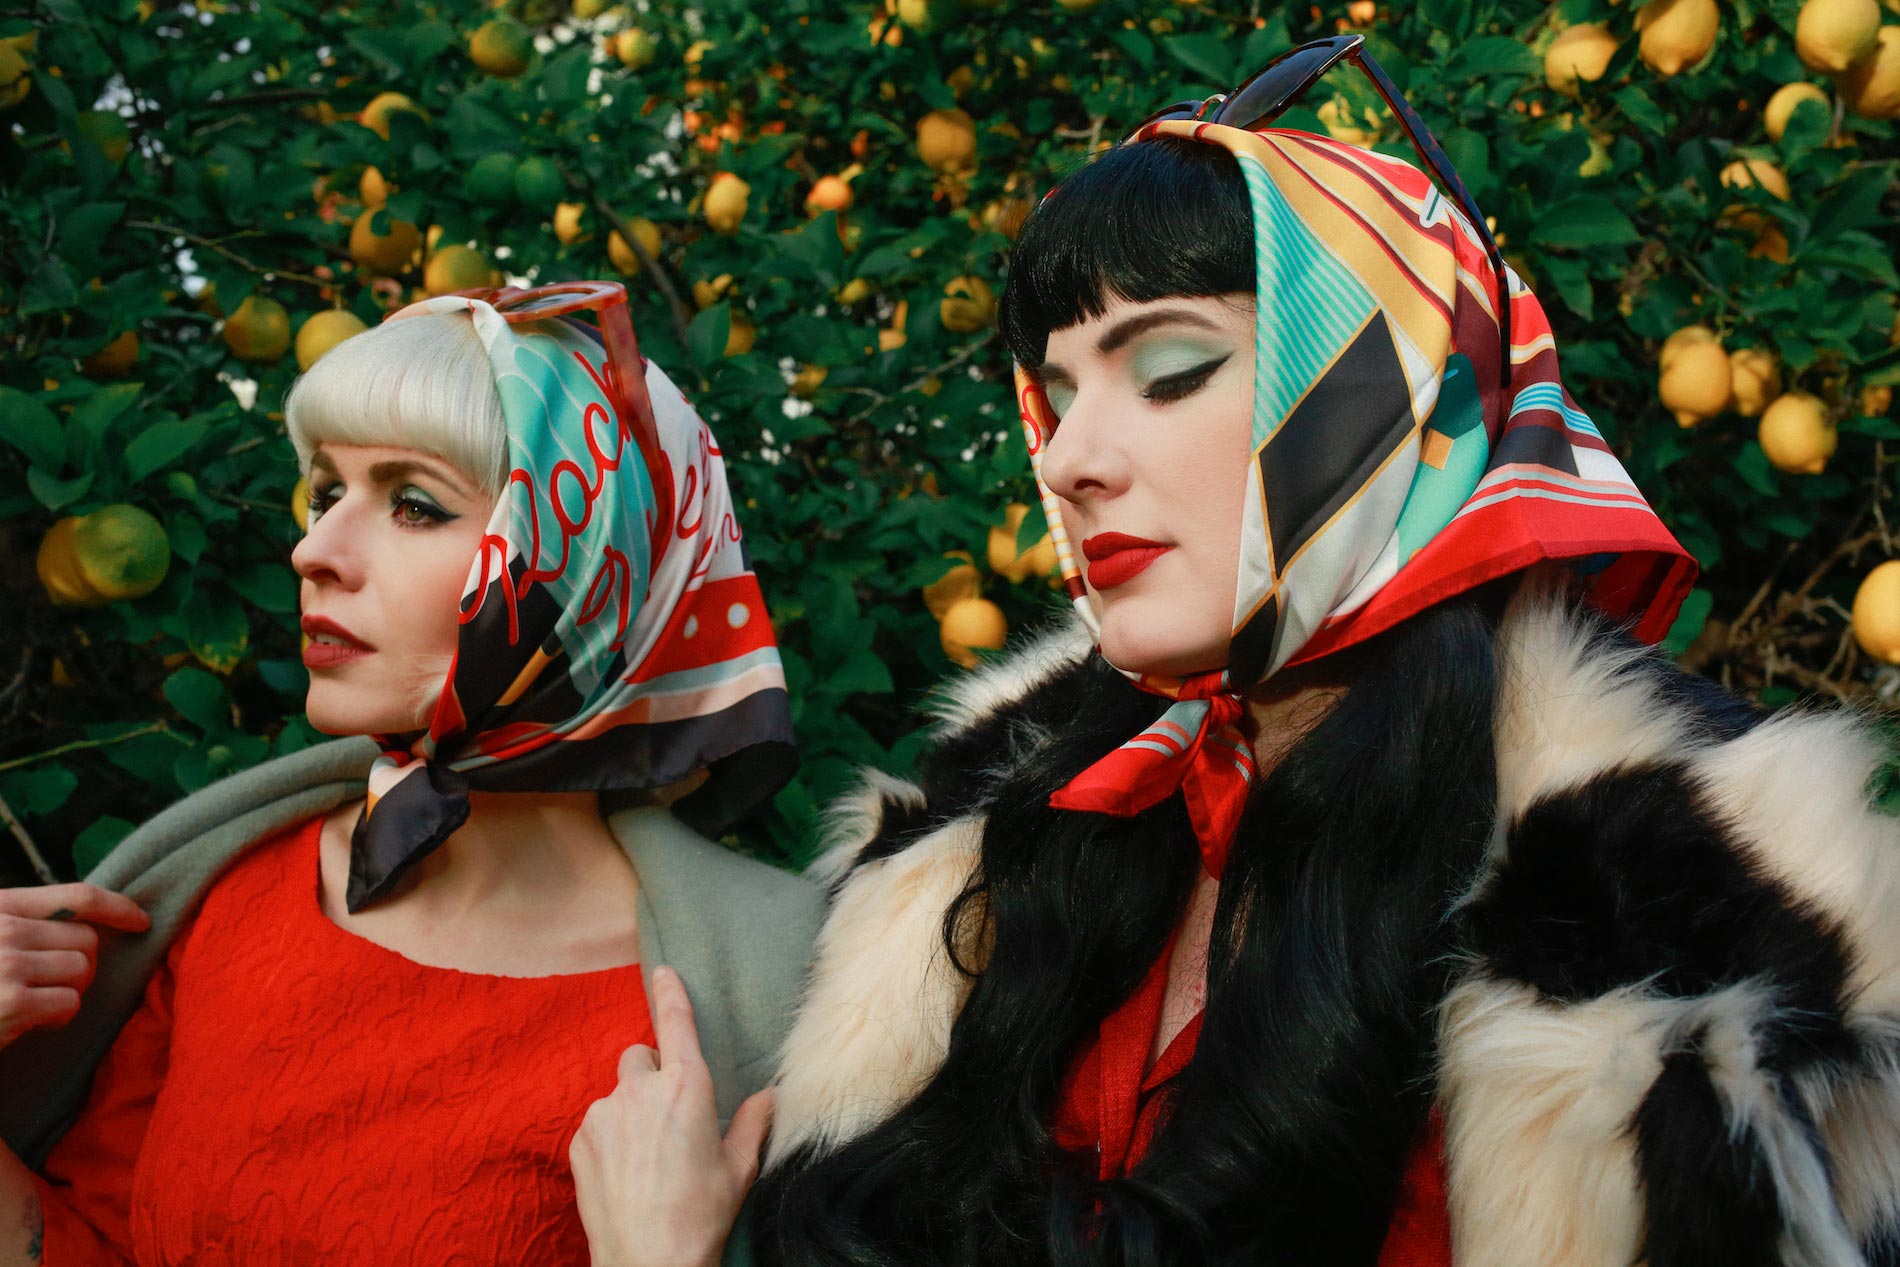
[(1679, 1024)]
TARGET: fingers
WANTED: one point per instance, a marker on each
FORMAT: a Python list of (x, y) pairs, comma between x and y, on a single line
[(746, 1135), (673, 1027), (84, 902), (20, 933), (31, 1007), (70, 968), (638, 1059)]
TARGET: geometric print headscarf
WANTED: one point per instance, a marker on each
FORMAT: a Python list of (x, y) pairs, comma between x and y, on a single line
[(1390, 470), (613, 634)]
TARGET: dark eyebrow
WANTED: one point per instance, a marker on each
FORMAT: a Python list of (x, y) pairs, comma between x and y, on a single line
[(1122, 333)]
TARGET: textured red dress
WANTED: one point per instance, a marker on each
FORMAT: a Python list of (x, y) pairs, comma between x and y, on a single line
[(292, 1093)]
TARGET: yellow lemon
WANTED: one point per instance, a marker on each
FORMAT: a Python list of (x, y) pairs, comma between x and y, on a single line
[(854, 291), (960, 582), (707, 293), (567, 222), (1005, 561), (808, 380), (1695, 379), (376, 114), (384, 253), (1580, 53), (1781, 106), (830, 193), (969, 625), (1876, 616), (946, 141), (372, 189), (258, 332), (58, 567), (114, 360), (323, 331), (1832, 35), (1746, 173), (300, 504), (741, 335), (122, 551), (502, 47), (1676, 34), (1872, 88), (1754, 380), (1797, 435), (635, 48), (456, 268), (624, 260), (968, 305), (726, 204)]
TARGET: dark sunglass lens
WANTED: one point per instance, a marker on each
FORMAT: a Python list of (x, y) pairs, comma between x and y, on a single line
[(1273, 89)]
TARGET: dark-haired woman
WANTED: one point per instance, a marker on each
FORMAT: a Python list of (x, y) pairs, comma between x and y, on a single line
[(1348, 885)]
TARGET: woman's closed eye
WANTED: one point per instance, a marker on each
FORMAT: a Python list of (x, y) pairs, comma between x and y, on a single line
[(1178, 386)]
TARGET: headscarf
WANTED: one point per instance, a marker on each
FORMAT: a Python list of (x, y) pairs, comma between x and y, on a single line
[(613, 634), (1391, 468)]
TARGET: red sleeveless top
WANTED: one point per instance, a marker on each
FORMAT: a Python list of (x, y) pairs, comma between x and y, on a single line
[(291, 1093)]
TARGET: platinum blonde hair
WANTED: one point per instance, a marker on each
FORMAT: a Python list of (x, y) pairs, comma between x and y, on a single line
[(420, 383)]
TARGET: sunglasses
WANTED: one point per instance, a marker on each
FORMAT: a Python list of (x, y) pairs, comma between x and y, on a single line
[(1266, 94)]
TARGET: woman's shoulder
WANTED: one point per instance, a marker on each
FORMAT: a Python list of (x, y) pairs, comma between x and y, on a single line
[(225, 816)]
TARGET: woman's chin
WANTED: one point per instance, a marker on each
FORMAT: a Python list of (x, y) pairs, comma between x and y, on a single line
[(1159, 647), (338, 717)]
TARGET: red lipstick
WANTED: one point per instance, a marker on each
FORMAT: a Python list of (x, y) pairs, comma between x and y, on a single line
[(1115, 557), (330, 644)]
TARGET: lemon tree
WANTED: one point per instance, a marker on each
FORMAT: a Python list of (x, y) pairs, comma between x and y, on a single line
[(812, 207)]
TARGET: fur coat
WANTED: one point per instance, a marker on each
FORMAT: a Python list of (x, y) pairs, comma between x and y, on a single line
[(1676, 1035)]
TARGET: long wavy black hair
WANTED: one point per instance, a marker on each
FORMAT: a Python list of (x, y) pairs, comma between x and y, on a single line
[(1287, 1134)]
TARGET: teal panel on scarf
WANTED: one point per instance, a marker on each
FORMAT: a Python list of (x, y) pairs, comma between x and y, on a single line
[(1310, 303), (545, 396), (1438, 492)]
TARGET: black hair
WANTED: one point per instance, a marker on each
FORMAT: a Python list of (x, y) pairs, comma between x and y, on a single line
[(1163, 217), (1287, 1134), (1311, 1080)]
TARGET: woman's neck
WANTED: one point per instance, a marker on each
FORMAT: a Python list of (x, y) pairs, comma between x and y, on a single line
[(1286, 707), (518, 847)]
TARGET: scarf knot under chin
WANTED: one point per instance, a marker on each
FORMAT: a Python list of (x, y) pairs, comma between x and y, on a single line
[(1197, 746)]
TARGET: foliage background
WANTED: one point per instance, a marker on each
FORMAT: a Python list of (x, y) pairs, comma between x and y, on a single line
[(235, 111)]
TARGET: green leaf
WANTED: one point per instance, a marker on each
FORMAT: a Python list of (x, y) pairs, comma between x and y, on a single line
[(1492, 55), (160, 444), (1581, 221), (38, 789), (1689, 622), (55, 493), (217, 630), (93, 417), (861, 672), (1139, 47), (199, 698), (1640, 110), (706, 335), (96, 840), (268, 587), (1854, 204), (1207, 55), (31, 428)]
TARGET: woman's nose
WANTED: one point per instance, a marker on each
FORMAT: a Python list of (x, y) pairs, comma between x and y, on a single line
[(328, 551), (1084, 458)]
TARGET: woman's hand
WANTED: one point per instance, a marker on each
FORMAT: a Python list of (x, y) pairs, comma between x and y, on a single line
[(657, 1185), (49, 949)]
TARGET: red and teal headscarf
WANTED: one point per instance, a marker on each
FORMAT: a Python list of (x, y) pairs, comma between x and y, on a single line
[(613, 634), (1390, 469)]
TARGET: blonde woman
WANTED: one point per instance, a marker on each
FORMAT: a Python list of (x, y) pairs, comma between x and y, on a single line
[(382, 981)]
